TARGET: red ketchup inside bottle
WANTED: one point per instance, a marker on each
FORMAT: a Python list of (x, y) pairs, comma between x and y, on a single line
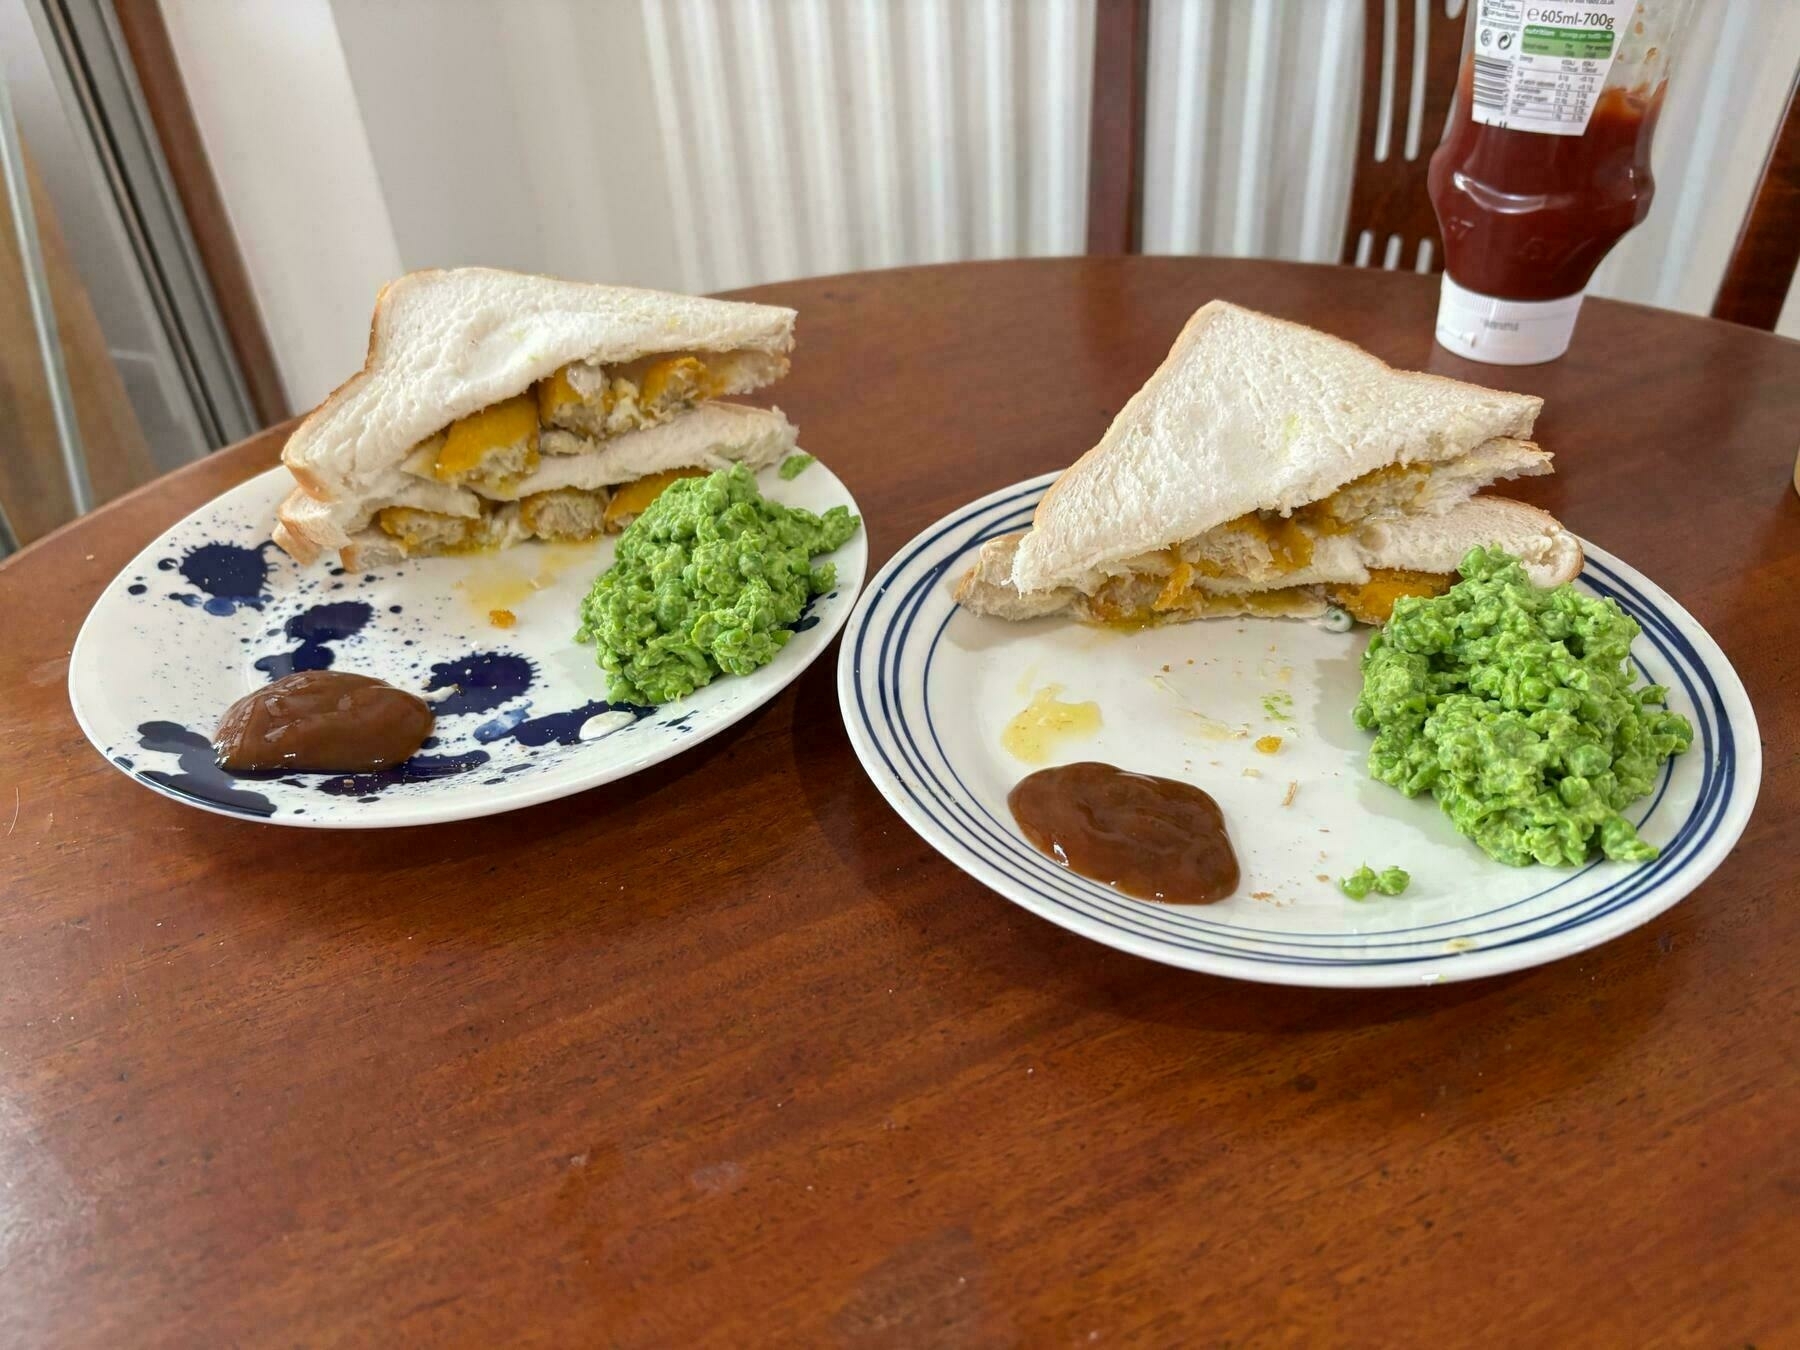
[(1527, 217)]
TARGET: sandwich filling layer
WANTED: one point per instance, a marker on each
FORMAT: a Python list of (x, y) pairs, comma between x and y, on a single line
[(495, 451), (1288, 566), (573, 493), (1315, 543)]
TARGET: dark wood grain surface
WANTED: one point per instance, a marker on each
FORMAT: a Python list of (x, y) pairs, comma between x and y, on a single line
[(724, 1055)]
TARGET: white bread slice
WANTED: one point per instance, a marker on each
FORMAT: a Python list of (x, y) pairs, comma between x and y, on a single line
[(444, 344), (710, 436), (1412, 543), (1249, 413), (1550, 554), (1444, 484), (1433, 543), (1249, 553)]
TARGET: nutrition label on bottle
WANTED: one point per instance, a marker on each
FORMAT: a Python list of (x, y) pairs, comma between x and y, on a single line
[(1541, 67)]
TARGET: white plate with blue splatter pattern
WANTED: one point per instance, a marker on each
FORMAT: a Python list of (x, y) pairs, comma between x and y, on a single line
[(927, 690), (212, 610)]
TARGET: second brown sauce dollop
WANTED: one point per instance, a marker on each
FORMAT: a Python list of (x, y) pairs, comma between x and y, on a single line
[(1152, 838), (322, 721)]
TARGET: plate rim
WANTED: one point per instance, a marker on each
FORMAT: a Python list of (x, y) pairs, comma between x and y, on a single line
[(1741, 796), (405, 813)]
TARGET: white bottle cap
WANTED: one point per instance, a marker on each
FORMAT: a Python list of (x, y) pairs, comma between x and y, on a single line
[(1504, 332)]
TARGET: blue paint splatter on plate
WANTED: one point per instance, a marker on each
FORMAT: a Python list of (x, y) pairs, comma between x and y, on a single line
[(496, 727), (481, 682), (807, 618), (314, 628), (227, 577), (418, 769), (564, 728), (201, 779)]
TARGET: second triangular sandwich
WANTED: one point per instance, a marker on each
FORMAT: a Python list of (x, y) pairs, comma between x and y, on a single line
[(1267, 468)]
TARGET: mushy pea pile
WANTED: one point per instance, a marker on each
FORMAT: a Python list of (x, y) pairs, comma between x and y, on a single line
[(1513, 706), (707, 581)]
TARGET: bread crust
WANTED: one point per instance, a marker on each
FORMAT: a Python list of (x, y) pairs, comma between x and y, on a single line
[(295, 543)]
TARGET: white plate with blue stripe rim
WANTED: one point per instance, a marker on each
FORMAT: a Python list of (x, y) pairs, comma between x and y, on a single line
[(212, 610), (927, 689)]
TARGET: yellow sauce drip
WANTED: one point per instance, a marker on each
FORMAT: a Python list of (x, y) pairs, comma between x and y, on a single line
[(1267, 745), (1373, 601), (499, 587), (1135, 622), (505, 583), (1045, 723), (631, 500)]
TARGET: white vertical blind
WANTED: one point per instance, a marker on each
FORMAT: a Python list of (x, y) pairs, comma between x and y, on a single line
[(1730, 82), (821, 147), (992, 89), (707, 144), (868, 133)]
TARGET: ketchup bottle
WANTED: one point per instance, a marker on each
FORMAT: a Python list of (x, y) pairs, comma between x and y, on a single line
[(1544, 165)]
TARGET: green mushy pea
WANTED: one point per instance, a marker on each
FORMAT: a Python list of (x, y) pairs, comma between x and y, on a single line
[(1513, 706), (1388, 881), (707, 581)]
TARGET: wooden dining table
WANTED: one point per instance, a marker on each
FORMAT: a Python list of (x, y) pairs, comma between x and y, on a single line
[(723, 1054)]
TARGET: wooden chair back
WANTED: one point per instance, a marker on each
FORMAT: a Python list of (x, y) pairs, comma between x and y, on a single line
[(1409, 79), (1762, 262), (1387, 196), (1118, 114), (1409, 75)]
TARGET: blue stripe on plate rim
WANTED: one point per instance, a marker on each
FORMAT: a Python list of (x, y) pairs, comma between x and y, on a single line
[(996, 830), (1060, 880), (1078, 890), (983, 845)]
